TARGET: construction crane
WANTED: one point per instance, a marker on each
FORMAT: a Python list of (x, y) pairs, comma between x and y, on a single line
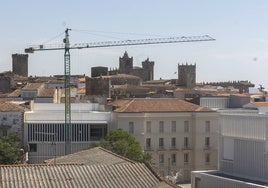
[(67, 69)]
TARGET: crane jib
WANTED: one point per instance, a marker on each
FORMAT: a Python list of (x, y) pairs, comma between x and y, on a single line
[(67, 72)]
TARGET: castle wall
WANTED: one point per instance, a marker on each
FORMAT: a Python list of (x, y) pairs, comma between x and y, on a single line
[(97, 86)]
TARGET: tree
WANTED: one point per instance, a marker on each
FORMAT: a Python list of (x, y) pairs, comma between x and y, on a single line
[(124, 144), (9, 151)]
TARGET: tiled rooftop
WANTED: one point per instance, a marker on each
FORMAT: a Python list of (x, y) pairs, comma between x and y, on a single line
[(10, 107), (46, 92), (65, 176), (92, 156), (99, 168), (260, 104), (160, 105), (32, 86), (15, 93)]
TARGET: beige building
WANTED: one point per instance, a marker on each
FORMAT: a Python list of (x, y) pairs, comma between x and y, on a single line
[(11, 119), (181, 136)]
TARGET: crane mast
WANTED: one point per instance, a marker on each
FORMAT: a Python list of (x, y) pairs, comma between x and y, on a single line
[(67, 64), (67, 87)]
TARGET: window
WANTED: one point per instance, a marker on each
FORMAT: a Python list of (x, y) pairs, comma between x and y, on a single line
[(173, 126), (15, 121), (173, 142), (161, 143), (4, 118), (161, 126), (173, 158), (207, 141), (186, 157), (4, 132), (130, 127), (148, 126), (207, 157), (33, 147), (207, 126), (148, 143), (186, 142), (186, 126), (161, 158)]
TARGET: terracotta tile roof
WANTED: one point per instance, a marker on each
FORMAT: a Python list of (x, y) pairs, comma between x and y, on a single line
[(81, 90), (161, 105), (32, 86), (55, 82), (82, 80), (15, 93), (47, 92), (260, 104), (10, 107), (119, 103)]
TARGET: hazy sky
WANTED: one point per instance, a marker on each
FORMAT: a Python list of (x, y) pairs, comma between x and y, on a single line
[(240, 28)]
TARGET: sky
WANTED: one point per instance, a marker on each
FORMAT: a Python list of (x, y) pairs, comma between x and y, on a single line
[(240, 28)]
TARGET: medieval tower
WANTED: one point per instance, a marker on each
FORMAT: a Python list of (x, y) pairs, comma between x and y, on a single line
[(148, 66), (125, 64), (20, 64), (187, 75)]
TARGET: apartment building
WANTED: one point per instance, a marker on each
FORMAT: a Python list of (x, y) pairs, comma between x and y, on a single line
[(180, 136), (243, 150)]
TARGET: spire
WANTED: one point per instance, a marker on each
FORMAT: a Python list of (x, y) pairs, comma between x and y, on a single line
[(125, 55)]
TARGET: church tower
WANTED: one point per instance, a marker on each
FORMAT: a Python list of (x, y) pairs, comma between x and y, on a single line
[(125, 64)]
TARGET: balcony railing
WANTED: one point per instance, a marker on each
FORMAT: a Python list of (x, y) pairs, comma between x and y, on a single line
[(173, 148), (207, 147), (161, 148), (148, 148), (186, 148)]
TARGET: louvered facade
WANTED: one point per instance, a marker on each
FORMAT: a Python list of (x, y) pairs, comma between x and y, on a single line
[(44, 129)]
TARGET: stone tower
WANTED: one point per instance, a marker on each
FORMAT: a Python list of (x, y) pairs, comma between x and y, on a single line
[(125, 64), (187, 75), (149, 67), (20, 64)]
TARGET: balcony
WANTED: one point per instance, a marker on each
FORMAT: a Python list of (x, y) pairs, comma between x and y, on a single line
[(173, 148), (186, 148), (161, 148), (207, 147), (148, 148)]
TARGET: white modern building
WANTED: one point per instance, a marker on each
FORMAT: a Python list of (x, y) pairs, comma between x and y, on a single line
[(44, 129), (243, 150), (181, 136)]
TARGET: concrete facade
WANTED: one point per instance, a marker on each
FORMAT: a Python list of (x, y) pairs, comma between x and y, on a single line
[(243, 148)]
